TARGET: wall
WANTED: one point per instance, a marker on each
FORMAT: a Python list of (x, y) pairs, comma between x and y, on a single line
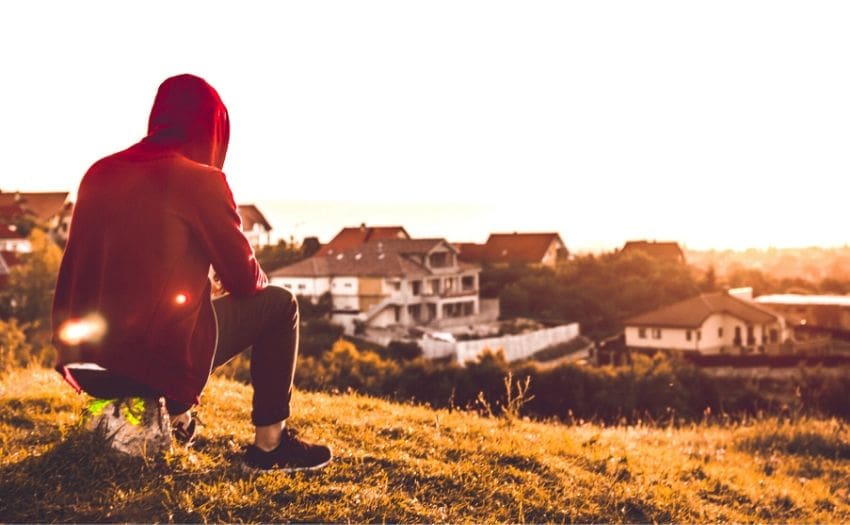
[(517, 346), (307, 286)]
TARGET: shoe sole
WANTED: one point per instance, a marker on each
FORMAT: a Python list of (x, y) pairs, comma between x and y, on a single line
[(255, 470)]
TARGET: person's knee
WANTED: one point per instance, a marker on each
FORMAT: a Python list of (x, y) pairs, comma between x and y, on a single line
[(284, 300)]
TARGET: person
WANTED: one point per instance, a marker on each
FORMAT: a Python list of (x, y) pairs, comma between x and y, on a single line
[(133, 310)]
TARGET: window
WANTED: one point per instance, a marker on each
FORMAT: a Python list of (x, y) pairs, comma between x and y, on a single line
[(396, 285), (449, 284), (774, 336), (416, 287), (642, 333), (688, 335), (699, 335), (656, 333), (468, 282), (438, 260), (347, 285), (302, 286), (435, 286), (720, 332)]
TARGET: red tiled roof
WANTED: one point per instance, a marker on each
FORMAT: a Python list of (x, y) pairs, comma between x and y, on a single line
[(657, 250), (43, 205), (470, 251), (349, 238), (691, 313), (8, 231), (252, 215), (377, 258), (523, 248)]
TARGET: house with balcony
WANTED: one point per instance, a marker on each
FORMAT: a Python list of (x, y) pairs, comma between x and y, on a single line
[(390, 282), (717, 323)]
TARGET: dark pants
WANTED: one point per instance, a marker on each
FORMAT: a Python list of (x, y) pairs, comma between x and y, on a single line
[(266, 323)]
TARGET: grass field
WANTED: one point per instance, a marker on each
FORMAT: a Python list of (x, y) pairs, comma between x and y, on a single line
[(405, 463)]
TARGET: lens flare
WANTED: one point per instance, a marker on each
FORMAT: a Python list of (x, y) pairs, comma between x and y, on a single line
[(181, 298), (89, 329)]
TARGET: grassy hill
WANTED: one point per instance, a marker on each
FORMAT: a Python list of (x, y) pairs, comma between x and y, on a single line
[(404, 463)]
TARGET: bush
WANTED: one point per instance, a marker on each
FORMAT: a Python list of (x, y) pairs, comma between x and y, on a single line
[(14, 348), (403, 350)]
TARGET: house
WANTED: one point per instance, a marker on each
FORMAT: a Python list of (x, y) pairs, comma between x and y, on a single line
[(540, 249), (7, 261), (662, 251), (11, 240), (352, 237), (718, 323), (813, 316), (255, 226), (50, 209), (381, 283)]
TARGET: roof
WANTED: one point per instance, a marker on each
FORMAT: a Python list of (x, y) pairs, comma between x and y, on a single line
[(524, 248), (470, 251), (43, 205), (691, 313), (355, 263), (658, 250), (252, 215), (378, 258), (353, 237), (9, 231), (804, 300)]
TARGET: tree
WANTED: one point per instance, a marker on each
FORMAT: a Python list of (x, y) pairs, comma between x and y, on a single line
[(276, 256), (28, 296)]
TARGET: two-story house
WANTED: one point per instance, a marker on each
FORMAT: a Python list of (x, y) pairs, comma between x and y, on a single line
[(716, 323), (389, 282)]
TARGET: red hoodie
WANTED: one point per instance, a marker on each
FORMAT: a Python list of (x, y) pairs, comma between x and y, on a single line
[(148, 223)]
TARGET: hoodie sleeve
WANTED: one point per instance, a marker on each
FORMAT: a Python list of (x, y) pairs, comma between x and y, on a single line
[(220, 232)]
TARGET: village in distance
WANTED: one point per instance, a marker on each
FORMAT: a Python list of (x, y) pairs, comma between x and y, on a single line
[(760, 311)]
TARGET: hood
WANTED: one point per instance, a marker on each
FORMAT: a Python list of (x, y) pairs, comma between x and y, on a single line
[(189, 115)]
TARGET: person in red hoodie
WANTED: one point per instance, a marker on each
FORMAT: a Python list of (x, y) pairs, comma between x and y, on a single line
[(132, 310)]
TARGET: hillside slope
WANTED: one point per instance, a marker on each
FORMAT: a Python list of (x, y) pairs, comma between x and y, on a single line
[(403, 463)]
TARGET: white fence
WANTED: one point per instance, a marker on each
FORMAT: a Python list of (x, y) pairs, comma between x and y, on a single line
[(515, 347)]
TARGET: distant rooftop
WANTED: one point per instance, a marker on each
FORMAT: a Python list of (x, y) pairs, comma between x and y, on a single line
[(805, 300)]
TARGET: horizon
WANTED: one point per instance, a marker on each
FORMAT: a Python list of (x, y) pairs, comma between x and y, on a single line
[(605, 123)]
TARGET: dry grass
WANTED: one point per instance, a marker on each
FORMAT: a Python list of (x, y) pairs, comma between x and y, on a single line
[(404, 463)]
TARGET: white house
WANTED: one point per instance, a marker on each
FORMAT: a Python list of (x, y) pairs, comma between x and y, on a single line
[(255, 226), (390, 282), (717, 323)]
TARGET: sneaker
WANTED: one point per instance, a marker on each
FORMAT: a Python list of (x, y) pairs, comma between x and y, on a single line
[(185, 434), (291, 455)]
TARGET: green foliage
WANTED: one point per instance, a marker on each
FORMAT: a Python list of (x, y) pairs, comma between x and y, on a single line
[(403, 351), (28, 296), (598, 292), (14, 348), (278, 255)]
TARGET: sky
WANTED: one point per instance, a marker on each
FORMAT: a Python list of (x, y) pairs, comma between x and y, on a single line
[(716, 124)]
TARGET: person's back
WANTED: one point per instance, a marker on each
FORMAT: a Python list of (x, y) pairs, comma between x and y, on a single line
[(147, 224), (133, 295)]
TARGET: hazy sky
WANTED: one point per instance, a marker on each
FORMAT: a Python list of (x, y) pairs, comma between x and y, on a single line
[(723, 124)]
